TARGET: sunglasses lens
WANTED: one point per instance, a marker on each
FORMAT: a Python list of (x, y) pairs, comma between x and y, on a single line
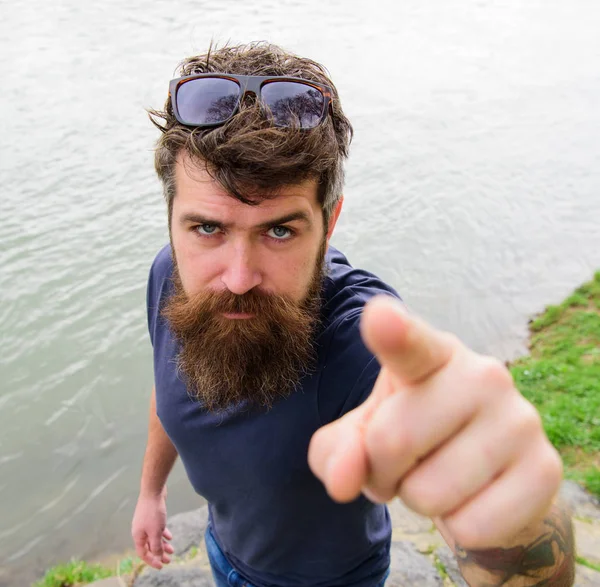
[(207, 100), (294, 103)]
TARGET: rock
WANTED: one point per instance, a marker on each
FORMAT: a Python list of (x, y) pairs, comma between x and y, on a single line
[(411, 533), (586, 577), (410, 568), (175, 577), (411, 527), (188, 529), (583, 504), (448, 559), (587, 540), (406, 521)]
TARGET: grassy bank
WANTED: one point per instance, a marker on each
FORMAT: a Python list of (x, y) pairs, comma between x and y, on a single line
[(561, 377)]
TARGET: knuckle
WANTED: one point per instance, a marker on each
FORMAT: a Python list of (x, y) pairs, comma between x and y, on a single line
[(389, 443), (529, 421), (451, 339), (495, 374), (423, 498), (466, 535), (550, 469)]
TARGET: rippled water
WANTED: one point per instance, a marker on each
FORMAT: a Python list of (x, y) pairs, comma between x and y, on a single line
[(473, 187)]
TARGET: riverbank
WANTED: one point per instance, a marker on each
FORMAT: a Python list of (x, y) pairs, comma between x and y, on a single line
[(420, 558), (560, 376)]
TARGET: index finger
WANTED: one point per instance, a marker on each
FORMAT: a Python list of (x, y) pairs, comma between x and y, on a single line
[(408, 347)]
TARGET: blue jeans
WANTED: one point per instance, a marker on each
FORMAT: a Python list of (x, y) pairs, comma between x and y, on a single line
[(224, 574)]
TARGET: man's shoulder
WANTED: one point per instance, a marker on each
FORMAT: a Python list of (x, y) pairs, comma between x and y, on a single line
[(159, 284), (348, 368), (162, 266), (347, 289)]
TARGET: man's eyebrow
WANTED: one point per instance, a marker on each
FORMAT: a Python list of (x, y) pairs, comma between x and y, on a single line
[(194, 218), (299, 215)]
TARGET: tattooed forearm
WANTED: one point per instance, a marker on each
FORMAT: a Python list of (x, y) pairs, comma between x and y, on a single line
[(544, 557)]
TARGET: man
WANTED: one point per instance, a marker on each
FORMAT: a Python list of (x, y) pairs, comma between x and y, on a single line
[(299, 399)]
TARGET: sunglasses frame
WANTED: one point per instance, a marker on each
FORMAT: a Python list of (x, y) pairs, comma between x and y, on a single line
[(249, 84)]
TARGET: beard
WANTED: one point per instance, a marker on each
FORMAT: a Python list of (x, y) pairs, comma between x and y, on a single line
[(255, 361)]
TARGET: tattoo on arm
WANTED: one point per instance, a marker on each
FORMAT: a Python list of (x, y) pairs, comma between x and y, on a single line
[(547, 560)]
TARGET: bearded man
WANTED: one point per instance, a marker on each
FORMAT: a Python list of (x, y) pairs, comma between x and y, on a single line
[(298, 393)]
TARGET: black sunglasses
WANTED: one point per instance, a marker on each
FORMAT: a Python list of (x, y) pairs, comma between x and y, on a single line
[(211, 99)]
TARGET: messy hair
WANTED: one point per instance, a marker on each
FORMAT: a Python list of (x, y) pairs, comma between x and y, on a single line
[(250, 157)]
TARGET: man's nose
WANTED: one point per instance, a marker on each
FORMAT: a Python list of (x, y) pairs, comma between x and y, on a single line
[(241, 273)]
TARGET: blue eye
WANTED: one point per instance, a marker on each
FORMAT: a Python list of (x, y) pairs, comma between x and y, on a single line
[(280, 233), (206, 229)]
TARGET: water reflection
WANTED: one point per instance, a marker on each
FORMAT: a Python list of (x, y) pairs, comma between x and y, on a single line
[(303, 108), (472, 187)]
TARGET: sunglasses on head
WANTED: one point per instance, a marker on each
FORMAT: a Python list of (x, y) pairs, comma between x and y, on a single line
[(211, 99)]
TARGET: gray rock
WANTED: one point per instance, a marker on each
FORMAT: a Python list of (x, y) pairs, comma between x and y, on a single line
[(175, 577), (586, 577), (449, 561), (406, 521), (410, 568), (583, 504), (188, 529)]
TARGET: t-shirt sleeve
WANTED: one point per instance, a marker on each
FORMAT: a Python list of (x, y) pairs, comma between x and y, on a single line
[(363, 387), (150, 304), (159, 272), (349, 371)]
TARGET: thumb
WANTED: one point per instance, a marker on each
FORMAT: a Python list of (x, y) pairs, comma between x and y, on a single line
[(337, 456)]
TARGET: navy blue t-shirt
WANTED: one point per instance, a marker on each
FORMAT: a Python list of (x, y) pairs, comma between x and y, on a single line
[(269, 514)]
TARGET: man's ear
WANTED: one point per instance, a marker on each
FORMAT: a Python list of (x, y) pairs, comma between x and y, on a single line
[(334, 216)]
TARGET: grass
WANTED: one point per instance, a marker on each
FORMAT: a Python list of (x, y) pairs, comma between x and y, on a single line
[(73, 573), (561, 377), (586, 563), (79, 572), (440, 567)]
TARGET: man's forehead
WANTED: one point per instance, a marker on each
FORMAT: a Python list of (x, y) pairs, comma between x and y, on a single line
[(195, 184)]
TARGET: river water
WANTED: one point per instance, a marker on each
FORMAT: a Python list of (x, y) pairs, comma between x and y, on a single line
[(473, 187)]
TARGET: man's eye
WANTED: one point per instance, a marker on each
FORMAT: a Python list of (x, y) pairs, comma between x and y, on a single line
[(280, 233), (206, 229)]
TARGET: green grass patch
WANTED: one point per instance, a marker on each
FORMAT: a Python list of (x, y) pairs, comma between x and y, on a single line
[(79, 572), (561, 377), (440, 567), (586, 563), (73, 573)]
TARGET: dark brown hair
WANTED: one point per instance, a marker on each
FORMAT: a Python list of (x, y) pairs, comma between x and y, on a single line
[(248, 156)]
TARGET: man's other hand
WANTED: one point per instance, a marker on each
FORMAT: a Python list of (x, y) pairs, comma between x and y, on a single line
[(149, 530)]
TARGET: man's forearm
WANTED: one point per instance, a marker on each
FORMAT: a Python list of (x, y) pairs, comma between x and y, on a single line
[(543, 555), (160, 455)]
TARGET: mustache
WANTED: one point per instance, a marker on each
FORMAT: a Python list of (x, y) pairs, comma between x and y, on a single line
[(252, 302)]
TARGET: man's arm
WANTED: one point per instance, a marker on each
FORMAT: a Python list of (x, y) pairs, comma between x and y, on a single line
[(148, 528), (541, 555), (160, 455)]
